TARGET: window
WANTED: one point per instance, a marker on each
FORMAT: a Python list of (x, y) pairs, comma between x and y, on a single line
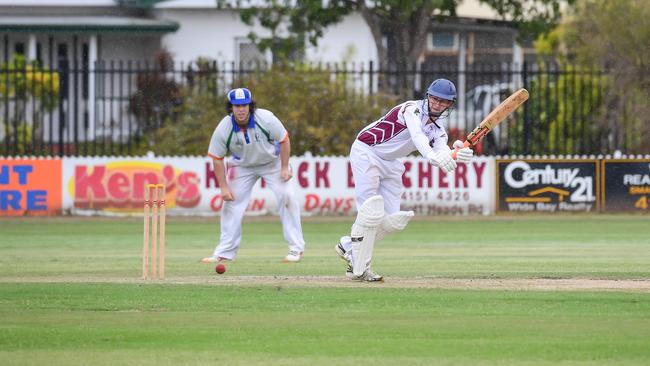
[(39, 53), (19, 48), (247, 53), (493, 40), (85, 60), (62, 51), (441, 40), (63, 65)]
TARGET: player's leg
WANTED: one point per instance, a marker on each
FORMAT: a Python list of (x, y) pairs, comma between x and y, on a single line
[(363, 234), (391, 189), (288, 209), (366, 184), (232, 214), (367, 173)]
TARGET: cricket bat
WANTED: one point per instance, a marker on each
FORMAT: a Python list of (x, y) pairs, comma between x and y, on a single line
[(497, 115)]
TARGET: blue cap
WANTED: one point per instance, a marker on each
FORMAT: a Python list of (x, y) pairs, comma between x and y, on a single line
[(240, 96)]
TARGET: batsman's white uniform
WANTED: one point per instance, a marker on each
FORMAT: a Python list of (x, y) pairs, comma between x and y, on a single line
[(374, 153), (255, 154), (378, 173)]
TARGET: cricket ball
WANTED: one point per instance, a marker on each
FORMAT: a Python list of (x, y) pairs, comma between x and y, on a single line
[(220, 268)]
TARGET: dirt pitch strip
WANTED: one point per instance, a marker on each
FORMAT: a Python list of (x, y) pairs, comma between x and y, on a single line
[(532, 284)]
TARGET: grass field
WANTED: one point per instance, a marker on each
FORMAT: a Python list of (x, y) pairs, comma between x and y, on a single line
[(530, 290)]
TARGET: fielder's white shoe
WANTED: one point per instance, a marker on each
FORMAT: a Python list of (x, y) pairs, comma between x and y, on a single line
[(293, 257), (214, 259)]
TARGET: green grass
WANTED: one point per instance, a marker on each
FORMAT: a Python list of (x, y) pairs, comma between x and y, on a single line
[(613, 247), (69, 295)]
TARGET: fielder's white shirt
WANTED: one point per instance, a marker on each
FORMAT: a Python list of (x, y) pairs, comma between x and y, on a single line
[(403, 130), (257, 144)]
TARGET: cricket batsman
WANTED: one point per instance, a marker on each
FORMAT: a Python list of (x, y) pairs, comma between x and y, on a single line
[(416, 125)]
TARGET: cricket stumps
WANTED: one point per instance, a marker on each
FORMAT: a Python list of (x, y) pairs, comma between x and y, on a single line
[(153, 246)]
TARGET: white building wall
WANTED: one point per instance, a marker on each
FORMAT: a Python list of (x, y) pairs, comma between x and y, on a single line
[(208, 33), (128, 47), (213, 33), (475, 9), (349, 41)]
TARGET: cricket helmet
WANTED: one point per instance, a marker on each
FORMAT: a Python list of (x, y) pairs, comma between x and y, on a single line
[(443, 89)]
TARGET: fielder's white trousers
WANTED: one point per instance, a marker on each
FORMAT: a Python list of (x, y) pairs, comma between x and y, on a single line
[(241, 182), (376, 176)]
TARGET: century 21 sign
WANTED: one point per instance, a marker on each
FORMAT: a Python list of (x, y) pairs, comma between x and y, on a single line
[(547, 185)]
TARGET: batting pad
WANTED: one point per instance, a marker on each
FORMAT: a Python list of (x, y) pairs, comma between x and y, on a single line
[(394, 222), (364, 231)]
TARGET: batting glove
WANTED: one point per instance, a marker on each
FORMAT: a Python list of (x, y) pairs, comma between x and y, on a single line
[(465, 154), (443, 160)]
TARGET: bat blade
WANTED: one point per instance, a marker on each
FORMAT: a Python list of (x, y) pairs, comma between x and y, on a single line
[(498, 114)]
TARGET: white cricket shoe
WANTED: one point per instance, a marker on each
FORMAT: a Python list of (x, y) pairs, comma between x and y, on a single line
[(367, 276), (343, 254), (214, 259), (293, 257)]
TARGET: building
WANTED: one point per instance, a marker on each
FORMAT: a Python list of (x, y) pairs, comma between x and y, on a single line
[(98, 47), (83, 30), (47, 30)]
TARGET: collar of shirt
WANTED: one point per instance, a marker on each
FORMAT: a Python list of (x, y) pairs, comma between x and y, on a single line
[(235, 126)]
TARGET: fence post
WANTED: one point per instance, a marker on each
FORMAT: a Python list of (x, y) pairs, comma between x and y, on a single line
[(75, 95), (92, 66), (5, 81), (63, 95), (527, 128), (371, 77)]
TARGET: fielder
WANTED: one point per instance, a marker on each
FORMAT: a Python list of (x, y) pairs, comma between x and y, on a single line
[(260, 148), (410, 126)]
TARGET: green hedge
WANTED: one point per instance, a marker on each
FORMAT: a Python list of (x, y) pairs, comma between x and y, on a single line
[(322, 113)]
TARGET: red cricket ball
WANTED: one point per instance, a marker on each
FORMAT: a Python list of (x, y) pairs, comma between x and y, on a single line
[(220, 268)]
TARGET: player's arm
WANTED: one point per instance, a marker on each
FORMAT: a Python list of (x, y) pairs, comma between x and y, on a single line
[(420, 140), (217, 150), (278, 133), (441, 158), (220, 173), (285, 152)]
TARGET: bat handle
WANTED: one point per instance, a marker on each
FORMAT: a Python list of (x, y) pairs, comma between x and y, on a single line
[(453, 153)]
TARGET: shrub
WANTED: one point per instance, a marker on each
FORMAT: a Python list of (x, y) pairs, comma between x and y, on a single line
[(322, 113)]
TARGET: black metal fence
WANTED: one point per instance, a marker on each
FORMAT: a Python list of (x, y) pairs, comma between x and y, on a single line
[(76, 109)]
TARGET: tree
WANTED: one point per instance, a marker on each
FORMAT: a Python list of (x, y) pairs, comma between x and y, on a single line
[(406, 23), (319, 110), (157, 96), (292, 23), (313, 106), (613, 35), (23, 86)]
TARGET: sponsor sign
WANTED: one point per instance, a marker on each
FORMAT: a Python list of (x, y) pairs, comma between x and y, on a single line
[(30, 187), (547, 185), (116, 185), (323, 186), (468, 190), (626, 185)]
